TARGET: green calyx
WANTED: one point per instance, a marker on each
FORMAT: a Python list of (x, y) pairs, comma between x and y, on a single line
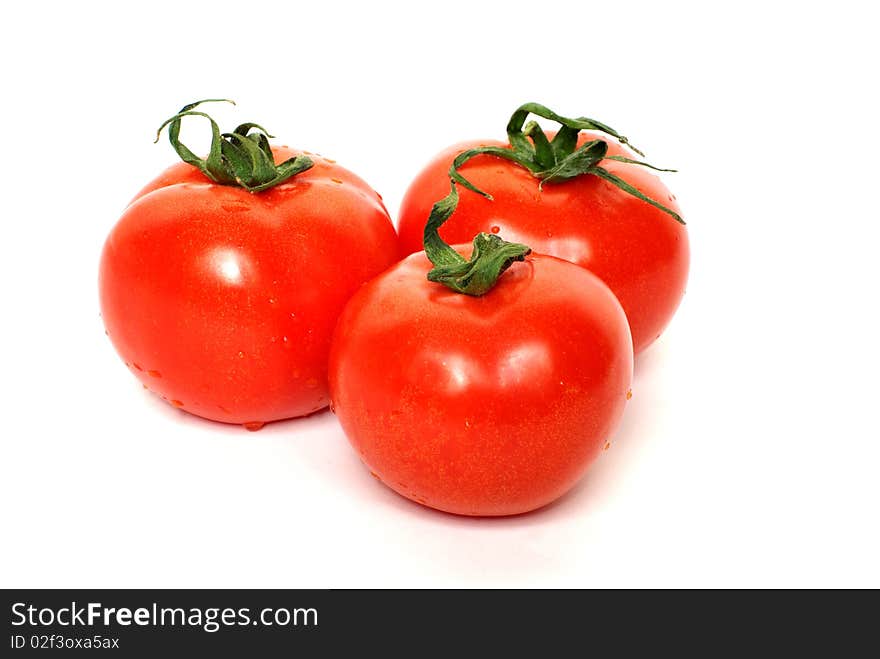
[(242, 157), (560, 159), (550, 161), (490, 257)]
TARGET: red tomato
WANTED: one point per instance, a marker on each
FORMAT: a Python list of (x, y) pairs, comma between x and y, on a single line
[(490, 405), (638, 250), (223, 301)]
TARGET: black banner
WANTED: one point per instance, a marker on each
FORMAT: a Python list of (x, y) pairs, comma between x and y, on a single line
[(248, 623)]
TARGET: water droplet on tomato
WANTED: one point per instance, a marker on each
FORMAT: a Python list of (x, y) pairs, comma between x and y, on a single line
[(337, 181), (272, 300), (176, 402), (253, 426), (312, 383), (241, 354), (155, 374), (495, 229), (607, 446), (137, 366), (629, 394), (330, 160)]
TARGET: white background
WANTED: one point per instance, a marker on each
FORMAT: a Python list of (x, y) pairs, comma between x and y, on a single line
[(749, 454)]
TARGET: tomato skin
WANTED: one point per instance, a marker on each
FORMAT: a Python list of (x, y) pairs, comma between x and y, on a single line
[(490, 405), (639, 251), (223, 302)]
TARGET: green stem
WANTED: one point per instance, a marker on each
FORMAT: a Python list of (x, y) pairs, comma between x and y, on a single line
[(515, 125), (490, 257), (242, 157)]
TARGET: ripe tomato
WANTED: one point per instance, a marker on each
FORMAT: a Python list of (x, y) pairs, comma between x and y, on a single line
[(637, 249), (489, 405), (223, 301)]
